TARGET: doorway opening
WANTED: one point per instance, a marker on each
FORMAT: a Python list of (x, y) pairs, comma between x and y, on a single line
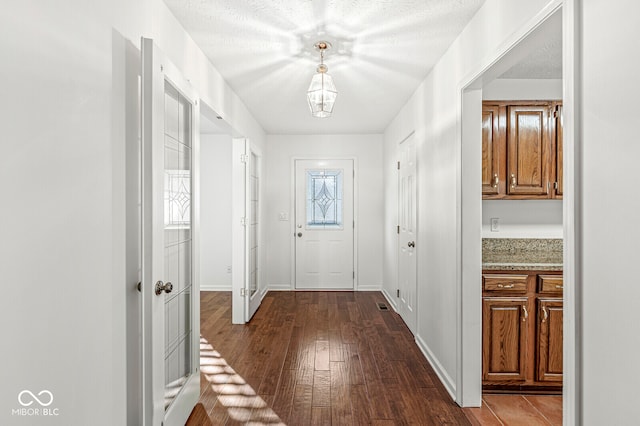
[(230, 211), (530, 70)]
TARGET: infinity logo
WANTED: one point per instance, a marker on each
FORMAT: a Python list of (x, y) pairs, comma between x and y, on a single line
[(35, 398)]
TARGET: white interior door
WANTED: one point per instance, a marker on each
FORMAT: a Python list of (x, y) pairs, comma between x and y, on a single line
[(170, 291), (255, 288), (247, 283), (407, 214), (324, 224)]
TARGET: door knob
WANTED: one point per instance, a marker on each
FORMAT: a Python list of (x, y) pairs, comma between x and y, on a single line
[(411, 244), (166, 287), (299, 234)]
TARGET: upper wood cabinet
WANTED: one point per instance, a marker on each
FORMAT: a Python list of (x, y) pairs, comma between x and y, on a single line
[(520, 157), (557, 121), (528, 147), (493, 150)]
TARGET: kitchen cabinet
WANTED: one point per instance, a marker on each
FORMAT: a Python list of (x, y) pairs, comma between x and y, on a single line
[(493, 149), (549, 340), (522, 330), (558, 130), (521, 150), (504, 334)]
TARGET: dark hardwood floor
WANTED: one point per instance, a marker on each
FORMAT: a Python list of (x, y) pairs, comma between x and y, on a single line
[(317, 358)]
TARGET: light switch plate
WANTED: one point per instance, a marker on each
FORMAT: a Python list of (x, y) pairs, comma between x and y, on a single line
[(283, 216)]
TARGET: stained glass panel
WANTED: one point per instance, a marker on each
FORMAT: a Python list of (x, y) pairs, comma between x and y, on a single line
[(324, 199)]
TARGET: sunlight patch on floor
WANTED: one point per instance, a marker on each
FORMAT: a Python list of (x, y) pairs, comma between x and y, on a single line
[(241, 401)]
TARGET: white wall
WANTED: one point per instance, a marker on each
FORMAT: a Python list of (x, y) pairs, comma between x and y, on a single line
[(215, 212), (434, 113), (69, 248), (367, 149), (513, 89), (608, 218), (523, 218)]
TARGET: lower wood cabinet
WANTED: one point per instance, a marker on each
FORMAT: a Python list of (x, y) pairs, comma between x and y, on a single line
[(522, 331), (549, 340), (504, 334)]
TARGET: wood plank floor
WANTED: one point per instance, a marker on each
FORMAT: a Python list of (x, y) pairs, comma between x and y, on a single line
[(516, 410), (317, 358)]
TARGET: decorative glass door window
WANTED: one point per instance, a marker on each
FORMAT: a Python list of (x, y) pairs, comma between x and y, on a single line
[(177, 198), (324, 199)]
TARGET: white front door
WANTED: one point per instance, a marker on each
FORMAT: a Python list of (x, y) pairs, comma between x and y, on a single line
[(407, 214), (324, 224), (170, 231)]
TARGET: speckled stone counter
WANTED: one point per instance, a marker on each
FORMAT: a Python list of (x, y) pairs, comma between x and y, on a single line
[(522, 254)]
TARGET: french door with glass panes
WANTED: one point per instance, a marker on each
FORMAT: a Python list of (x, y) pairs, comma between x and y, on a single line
[(169, 286), (253, 203), (324, 225)]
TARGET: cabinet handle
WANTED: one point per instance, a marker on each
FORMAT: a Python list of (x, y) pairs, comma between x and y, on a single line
[(525, 312), (495, 180), (545, 314), (555, 185), (506, 286), (558, 286), (513, 180)]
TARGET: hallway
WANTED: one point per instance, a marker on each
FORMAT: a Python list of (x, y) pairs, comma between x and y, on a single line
[(325, 358)]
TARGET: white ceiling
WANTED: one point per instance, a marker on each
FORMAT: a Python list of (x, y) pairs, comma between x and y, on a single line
[(544, 59), (382, 50)]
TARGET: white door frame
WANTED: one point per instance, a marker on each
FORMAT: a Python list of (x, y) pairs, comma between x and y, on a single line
[(292, 215), (469, 290)]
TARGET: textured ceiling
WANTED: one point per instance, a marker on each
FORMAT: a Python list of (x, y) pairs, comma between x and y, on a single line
[(545, 60), (382, 50)]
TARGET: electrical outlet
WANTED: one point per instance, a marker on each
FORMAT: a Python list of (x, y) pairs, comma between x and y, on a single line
[(495, 224), (228, 269)]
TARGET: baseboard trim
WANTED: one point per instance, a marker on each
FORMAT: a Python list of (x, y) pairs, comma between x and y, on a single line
[(279, 287), (369, 288), (448, 383), (390, 299), (214, 287)]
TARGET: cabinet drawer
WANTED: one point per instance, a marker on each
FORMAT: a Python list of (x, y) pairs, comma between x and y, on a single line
[(505, 283), (552, 284)]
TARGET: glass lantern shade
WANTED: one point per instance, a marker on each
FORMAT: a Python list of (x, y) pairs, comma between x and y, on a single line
[(321, 95)]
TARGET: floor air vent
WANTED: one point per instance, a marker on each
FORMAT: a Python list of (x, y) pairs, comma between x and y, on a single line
[(382, 306)]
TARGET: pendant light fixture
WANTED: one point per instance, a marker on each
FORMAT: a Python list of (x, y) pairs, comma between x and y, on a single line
[(322, 92)]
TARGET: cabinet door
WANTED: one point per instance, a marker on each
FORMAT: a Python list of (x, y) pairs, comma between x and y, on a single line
[(504, 337), (528, 146), (493, 150), (549, 340), (559, 181)]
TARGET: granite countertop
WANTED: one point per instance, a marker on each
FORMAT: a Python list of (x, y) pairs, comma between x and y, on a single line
[(522, 254)]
